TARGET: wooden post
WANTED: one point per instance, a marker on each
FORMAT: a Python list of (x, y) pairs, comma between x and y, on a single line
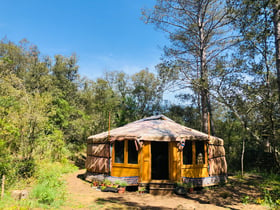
[(109, 124), (3, 186)]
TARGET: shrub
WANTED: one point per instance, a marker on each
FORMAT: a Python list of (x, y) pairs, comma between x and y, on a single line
[(25, 168)]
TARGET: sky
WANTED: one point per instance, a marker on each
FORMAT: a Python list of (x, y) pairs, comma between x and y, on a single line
[(106, 35)]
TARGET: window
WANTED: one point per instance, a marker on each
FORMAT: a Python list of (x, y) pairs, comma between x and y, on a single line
[(199, 145), (125, 152), (187, 153), (132, 153), (119, 151)]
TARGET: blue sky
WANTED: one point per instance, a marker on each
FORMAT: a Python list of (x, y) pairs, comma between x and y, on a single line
[(106, 35)]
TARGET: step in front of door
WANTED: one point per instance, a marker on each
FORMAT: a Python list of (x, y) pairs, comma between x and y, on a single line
[(161, 191), (161, 188)]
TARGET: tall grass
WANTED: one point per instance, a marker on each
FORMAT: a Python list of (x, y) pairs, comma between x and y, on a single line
[(48, 190)]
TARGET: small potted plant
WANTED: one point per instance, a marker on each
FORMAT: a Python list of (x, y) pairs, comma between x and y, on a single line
[(107, 183), (190, 187), (103, 188), (141, 190), (95, 183), (117, 183), (123, 184), (180, 188)]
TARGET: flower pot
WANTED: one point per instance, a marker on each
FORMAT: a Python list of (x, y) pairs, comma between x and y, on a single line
[(95, 184), (191, 190), (121, 190)]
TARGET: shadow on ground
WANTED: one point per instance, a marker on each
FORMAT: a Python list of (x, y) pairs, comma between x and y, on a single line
[(231, 195), (130, 204), (234, 192)]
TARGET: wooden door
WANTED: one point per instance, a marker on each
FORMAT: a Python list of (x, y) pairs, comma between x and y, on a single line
[(146, 162), (175, 162)]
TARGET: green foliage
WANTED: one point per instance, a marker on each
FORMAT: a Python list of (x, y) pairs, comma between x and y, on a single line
[(146, 92), (6, 163), (107, 182), (268, 185), (123, 183), (246, 199), (65, 76), (141, 189), (195, 44), (25, 168), (26, 131), (45, 116), (47, 111), (271, 189), (50, 189), (248, 86), (185, 115)]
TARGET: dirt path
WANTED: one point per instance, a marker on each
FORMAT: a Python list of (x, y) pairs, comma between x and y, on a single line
[(82, 196)]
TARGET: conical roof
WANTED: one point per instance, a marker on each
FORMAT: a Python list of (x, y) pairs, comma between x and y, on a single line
[(155, 128)]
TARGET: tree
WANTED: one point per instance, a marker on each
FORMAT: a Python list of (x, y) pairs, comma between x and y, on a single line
[(198, 32), (185, 115), (121, 84), (276, 21), (13, 59), (253, 99), (139, 95), (146, 92), (33, 124), (65, 76), (24, 61)]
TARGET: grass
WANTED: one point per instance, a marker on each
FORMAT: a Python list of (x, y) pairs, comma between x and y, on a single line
[(271, 190), (269, 185), (48, 190)]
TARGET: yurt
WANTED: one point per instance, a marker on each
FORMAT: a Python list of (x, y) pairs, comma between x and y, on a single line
[(156, 149)]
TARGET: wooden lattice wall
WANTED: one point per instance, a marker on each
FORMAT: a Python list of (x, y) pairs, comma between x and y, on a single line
[(98, 157)]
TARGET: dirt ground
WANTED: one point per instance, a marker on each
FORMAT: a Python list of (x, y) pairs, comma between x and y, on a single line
[(230, 196)]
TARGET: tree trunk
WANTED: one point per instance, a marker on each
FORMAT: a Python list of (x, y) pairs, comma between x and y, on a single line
[(3, 187), (242, 157), (204, 87), (204, 110), (276, 13), (212, 126), (276, 20)]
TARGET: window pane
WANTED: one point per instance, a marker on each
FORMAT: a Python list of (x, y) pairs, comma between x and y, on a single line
[(187, 153), (119, 151), (132, 153), (199, 145)]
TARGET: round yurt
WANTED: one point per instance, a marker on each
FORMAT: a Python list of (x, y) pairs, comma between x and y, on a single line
[(156, 149)]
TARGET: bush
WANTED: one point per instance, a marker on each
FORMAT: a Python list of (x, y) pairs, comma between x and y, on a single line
[(7, 167), (25, 168), (47, 193)]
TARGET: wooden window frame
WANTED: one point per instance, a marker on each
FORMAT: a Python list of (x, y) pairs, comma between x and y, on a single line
[(191, 157), (115, 154), (194, 157), (125, 163)]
